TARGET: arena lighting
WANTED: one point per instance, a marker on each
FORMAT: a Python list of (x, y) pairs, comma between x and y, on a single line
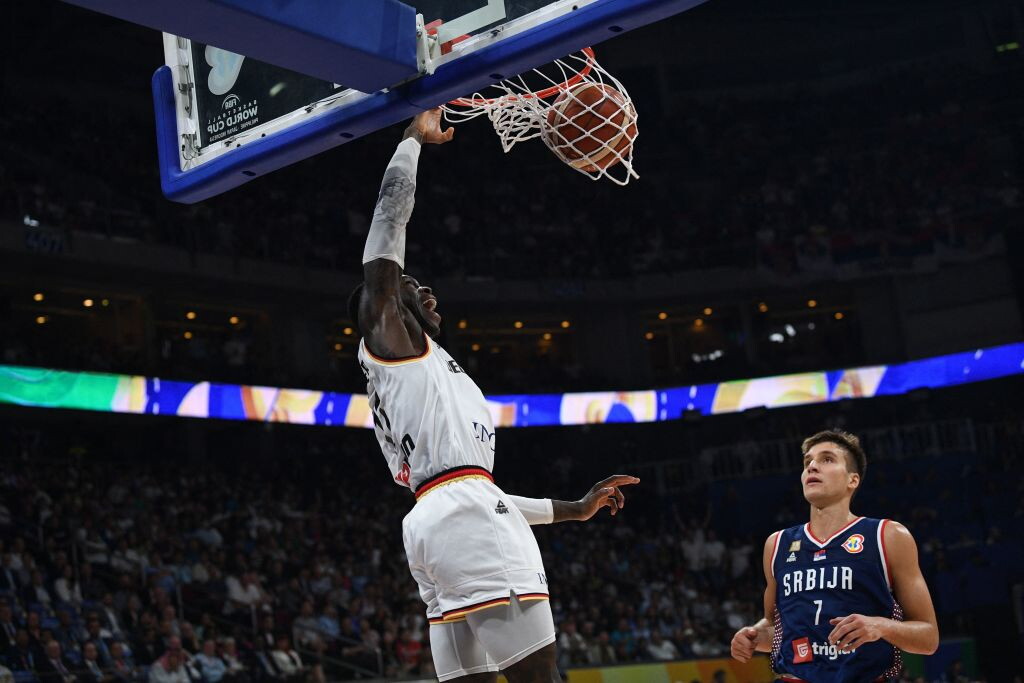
[(662, 315), (87, 303), (838, 315), (337, 347), (811, 303), (187, 335), (191, 315), (475, 347), (233, 320), (763, 307), (699, 322), (649, 336), (518, 324), (347, 331), (547, 336), (708, 310), (137, 394), (565, 324), (463, 324), (38, 296), (41, 319), (105, 302)]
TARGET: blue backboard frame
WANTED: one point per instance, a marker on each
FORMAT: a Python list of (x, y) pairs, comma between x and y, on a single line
[(589, 25)]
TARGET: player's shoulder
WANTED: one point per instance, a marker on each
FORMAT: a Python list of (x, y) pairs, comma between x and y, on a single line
[(368, 358), (895, 532), (773, 541)]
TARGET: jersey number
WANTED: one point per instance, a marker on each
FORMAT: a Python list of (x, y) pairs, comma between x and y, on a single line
[(817, 615)]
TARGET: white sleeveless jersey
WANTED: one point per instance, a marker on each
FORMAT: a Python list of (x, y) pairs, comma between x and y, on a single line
[(428, 415)]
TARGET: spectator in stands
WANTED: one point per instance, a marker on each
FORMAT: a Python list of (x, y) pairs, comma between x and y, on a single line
[(108, 615), (10, 581), (147, 648), (287, 661), (407, 650), (245, 593), (67, 588), (92, 587), (211, 667), (189, 640), (236, 672), (169, 669), (602, 652), (35, 633), (121, 667), (20, 656), (306, 628), (572, 647), (52, 668), (91, 671), (7, 627), (662, 649), (35, 592), (94, 634)]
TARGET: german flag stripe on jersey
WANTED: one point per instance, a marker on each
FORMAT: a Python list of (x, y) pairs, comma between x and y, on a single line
[(450, 477), (459, 614)]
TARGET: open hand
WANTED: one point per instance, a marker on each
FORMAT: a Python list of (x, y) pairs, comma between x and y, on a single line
[(426, 128), (605, 494)]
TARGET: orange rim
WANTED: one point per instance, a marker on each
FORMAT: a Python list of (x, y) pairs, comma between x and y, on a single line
[(539, 94)]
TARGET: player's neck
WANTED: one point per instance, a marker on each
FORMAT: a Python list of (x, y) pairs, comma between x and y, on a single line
[(827, 520)]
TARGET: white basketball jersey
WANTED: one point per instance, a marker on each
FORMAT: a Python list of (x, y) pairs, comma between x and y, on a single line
[(429, 416)]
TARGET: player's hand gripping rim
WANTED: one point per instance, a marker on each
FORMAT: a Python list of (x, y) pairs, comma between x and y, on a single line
[(426, 128)]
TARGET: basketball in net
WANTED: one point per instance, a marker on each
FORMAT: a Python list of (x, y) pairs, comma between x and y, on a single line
[(581, 112), (591, 126)]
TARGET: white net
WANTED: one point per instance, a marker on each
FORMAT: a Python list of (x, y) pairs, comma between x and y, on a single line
[(581, 112)]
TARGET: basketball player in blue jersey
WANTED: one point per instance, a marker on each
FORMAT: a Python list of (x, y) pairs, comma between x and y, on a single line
[(469, 543), (845, 593)]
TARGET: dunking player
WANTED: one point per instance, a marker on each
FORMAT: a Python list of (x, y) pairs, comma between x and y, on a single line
[(469, 544), (845, 593)]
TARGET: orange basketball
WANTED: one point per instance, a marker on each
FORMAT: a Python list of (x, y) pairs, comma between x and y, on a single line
[(591, 126)]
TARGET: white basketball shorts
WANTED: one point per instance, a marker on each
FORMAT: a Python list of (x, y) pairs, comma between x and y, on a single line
[(470, 549)]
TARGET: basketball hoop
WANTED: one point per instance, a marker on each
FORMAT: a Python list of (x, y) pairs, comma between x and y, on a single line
[(589, 122)]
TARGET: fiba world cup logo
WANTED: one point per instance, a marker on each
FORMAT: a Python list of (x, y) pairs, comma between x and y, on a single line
[(854, 544)]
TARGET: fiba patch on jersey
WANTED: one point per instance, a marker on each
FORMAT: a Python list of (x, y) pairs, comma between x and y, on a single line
[(854, 544), (802, 651)]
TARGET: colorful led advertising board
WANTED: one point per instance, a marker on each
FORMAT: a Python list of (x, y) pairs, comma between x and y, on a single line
[(45, 388)]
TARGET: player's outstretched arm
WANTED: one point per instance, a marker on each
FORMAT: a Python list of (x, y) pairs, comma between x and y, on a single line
[(758, 637), (380, 308), (606, 493), (919, 632)]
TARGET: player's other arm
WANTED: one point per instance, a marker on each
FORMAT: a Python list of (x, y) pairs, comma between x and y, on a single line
[(919, 632), (758, 637), (380, 307), (606, 493)]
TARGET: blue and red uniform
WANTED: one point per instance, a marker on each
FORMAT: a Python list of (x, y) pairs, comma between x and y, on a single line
[(820, 579)]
